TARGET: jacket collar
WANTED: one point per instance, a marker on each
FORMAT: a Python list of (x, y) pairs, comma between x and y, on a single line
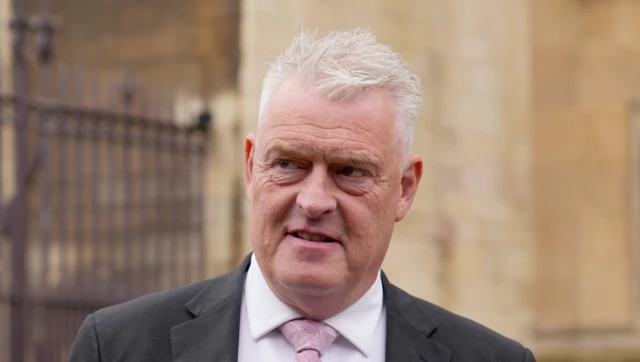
[(212, 334), (409, 327)]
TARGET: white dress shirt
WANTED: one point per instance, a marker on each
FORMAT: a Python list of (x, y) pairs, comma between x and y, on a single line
[(362, 326)]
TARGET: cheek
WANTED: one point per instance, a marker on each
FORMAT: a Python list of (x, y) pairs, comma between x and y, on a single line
[(361, 216), (266, 223), (370, 217), (271, 203), (263, 188)]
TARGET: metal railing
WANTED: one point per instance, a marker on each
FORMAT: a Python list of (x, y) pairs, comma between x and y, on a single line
[(106, 202)]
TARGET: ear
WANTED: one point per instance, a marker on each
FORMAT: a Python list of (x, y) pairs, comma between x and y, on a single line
[(249, 150), (410, 180)]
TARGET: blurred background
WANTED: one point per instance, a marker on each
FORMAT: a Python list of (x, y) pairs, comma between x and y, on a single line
[(121, 137)]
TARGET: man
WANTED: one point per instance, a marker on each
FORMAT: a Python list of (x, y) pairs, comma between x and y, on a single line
[(328, 174)]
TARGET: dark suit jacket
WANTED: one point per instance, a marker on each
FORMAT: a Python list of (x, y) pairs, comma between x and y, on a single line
[(200, 322)]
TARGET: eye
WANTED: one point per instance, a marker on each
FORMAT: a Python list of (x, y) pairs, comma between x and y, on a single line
[(351, 172), (286, 164)]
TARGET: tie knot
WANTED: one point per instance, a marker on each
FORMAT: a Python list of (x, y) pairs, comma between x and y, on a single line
[(305, 334)]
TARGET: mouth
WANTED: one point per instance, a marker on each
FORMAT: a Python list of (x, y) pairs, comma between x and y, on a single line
[(313, 237)]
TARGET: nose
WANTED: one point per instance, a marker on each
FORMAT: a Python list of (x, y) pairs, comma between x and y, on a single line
[(315, 198)]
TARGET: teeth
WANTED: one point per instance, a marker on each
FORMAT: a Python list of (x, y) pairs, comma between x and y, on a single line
[(311, 237)]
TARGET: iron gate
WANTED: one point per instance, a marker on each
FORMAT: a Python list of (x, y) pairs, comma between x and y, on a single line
[(100, 197)]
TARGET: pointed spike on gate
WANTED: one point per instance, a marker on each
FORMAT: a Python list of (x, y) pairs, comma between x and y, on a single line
[(169, 107), (147, 110), (80, 86), (145, 104), (143, 99), (173, 113), (156, 107), (45, 83), (2, 80), (93, 90), (127, 86), (63, 82), (160, 112), (45, 27), (5, 79), (112, 93), (93, 99), (157, 111), (104, 91), (72, 84)]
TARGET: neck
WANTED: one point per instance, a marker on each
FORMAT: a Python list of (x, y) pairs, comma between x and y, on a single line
[(322, 306)]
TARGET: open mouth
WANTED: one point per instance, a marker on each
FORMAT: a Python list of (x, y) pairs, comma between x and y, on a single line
[(311, 237)]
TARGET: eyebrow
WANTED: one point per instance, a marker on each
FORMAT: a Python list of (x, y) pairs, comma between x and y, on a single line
[(347, 157), (285, 149)]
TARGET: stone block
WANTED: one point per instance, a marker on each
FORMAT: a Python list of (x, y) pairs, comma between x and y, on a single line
[(605, 282), (557, 270), (554, 75), (596, 20), (558, 137), (555, 23), (625, 23), (606, 135), (606, 72)]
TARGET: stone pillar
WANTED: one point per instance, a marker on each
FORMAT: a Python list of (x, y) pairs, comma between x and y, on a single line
[(481, 167), (585, 73), (221, 179)]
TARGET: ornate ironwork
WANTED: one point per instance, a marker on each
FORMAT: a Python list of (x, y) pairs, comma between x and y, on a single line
[(108, 200)]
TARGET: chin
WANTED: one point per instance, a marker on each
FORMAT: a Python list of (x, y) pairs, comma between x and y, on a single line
[(311, 284)]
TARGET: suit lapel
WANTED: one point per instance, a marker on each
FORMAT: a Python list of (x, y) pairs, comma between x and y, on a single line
[(212, 335), (409, 328)]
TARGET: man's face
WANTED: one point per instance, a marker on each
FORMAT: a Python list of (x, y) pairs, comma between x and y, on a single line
[(326, 189)]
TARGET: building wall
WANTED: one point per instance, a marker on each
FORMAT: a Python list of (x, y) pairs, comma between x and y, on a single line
[(482, 164), (466, 241), (188, 46), (585, 72)]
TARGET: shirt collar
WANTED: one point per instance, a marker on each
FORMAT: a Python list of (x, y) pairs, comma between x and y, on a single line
[(266, 312)]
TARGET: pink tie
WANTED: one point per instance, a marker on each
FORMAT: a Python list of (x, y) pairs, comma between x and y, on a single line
[(309, 338)]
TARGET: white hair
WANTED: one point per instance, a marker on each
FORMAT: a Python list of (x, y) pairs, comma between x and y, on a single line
[(342, 65)]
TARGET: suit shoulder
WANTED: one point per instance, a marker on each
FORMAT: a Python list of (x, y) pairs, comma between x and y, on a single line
[(469, 329), (467, 339), (140, 329), (168, 303)]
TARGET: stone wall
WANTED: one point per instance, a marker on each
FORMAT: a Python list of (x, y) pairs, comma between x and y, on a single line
[(482, 163), (190, 46), (585, 72)]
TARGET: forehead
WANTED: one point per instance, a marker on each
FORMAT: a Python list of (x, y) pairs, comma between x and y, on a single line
[(303, 116)]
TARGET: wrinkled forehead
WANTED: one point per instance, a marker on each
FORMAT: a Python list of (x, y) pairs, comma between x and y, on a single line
[(294, 105), (361, 128)]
